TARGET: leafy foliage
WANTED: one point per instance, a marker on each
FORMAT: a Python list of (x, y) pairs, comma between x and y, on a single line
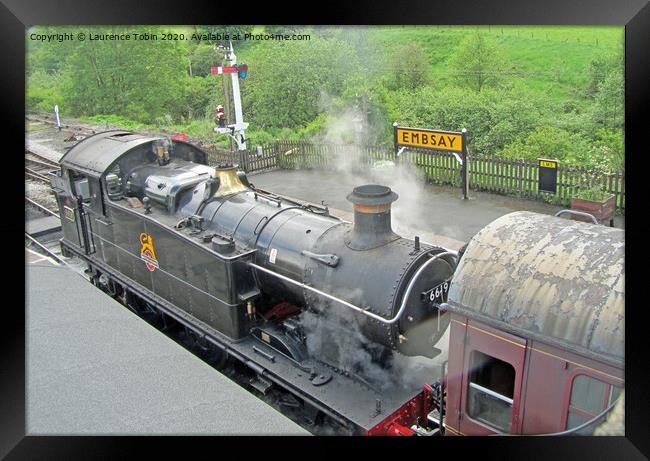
[(610, 102), (290, 81), (410, 66), (595, 193), (202, 58), (553, 143), (478, 62), (493, 121)]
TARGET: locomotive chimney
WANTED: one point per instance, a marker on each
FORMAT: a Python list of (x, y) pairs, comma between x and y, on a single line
[(372, 226)]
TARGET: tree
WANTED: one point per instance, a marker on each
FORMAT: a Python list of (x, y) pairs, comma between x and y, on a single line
[(599, 68), (139, 79), (410, 66), (289, 82), (284, 29), (478, 62), (609, 107), (203, 57)]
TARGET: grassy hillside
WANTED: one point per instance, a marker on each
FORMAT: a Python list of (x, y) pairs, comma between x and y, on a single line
[(551, 60)]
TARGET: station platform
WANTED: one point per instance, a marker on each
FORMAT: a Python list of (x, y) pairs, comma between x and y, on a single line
[(93, 367)]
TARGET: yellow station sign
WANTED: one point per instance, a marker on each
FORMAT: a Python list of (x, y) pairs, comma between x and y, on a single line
[(432, 139), (547, 164)]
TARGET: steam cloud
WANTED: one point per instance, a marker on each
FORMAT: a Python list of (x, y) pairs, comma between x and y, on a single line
[(351, 131), (334, 333)]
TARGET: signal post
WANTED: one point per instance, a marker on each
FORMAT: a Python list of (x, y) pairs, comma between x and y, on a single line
[(235, 130)]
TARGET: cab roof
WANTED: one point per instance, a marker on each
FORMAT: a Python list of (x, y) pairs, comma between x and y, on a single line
[(95, 154)]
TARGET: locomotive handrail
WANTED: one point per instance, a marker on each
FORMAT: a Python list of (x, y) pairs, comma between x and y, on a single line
[(355, 307), (577, 213)]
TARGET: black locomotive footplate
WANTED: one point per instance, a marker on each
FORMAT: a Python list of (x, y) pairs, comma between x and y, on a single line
[(343, 398)]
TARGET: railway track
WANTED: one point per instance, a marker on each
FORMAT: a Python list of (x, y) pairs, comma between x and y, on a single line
[(43, 245), (39, 168), (41, 207), (77, 129), (89, 131)]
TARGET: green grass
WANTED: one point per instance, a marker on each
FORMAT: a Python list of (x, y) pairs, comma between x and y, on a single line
[(552, 60)]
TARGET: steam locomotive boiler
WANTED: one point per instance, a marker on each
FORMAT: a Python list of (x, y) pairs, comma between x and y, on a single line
[(315, 305)]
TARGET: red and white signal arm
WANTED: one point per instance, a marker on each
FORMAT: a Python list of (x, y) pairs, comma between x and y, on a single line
[(218, 70)]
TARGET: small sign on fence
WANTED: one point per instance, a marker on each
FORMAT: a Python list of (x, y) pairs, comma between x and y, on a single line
[(422, 138), (547, 175)]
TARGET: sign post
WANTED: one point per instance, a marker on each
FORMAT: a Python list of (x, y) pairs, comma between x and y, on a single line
[(450, 141), (395, 139)]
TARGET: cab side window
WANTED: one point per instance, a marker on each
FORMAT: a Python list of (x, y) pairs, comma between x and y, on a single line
[(491, 391), (589, 397), (80, 186), (89, 189)]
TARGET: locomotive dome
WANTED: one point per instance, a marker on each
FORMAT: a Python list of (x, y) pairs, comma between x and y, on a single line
[(541, 277)]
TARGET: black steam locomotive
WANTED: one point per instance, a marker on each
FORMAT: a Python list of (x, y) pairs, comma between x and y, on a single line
[(327, 310)]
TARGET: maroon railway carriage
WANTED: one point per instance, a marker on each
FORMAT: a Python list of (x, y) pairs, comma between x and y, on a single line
[(537, 328)]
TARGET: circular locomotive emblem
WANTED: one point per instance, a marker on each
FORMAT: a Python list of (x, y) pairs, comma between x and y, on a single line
[(149, 261)]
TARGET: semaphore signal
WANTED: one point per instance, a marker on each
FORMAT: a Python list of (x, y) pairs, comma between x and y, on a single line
[(235, 130)]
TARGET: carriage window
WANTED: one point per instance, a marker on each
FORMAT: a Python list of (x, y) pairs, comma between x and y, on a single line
[(589, 397), (491, 390)]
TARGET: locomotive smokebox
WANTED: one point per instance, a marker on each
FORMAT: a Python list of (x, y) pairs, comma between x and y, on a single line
[(372, 221)]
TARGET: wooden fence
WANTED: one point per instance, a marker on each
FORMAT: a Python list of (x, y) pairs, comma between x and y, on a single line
[(497, 175)]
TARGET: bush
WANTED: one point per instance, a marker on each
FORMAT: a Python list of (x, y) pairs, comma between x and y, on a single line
[(493, 118), (595, 193), (607, 151), (43, 91), (553, 143)]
